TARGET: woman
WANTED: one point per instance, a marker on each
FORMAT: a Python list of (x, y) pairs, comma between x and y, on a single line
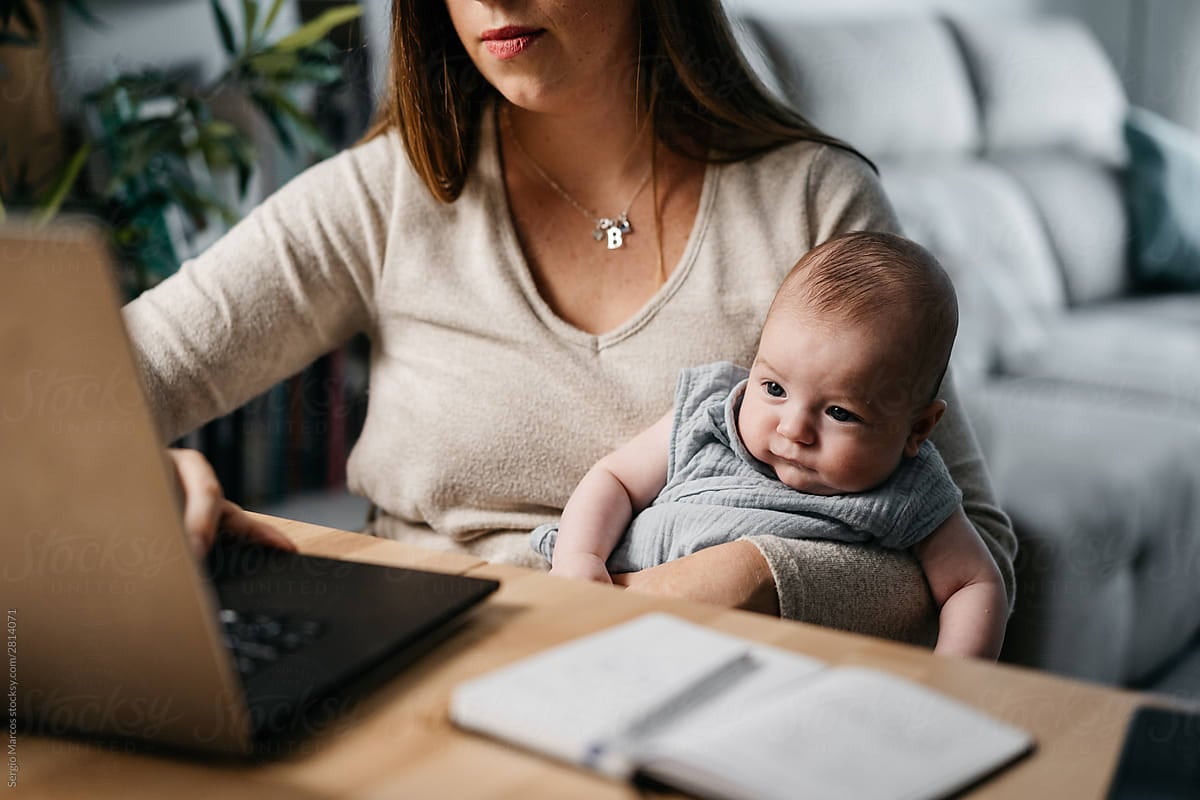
[(562, 204)]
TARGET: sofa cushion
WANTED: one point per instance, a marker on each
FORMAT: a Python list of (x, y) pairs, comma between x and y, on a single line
[(1081, 203), (1122, 351), (889, 87), (976, 219), (1044, 83), (1177, 308), (1164, 202)]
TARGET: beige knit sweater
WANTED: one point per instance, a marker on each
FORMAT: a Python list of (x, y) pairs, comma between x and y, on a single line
[(485, 408)]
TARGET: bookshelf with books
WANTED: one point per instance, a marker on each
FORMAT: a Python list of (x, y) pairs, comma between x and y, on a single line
[(295, 437)]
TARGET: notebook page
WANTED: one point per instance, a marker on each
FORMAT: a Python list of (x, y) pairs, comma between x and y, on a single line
[(848, 733), (565, 700), (779, 671)]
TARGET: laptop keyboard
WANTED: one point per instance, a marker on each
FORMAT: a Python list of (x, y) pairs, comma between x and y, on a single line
[(257, 639)]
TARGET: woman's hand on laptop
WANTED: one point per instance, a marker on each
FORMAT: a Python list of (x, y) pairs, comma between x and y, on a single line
[(206, 511)]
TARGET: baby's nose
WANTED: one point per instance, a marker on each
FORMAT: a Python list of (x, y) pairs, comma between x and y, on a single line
[(797, 428)]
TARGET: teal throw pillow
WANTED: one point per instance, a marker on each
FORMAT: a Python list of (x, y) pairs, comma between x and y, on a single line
[(1163, 192)]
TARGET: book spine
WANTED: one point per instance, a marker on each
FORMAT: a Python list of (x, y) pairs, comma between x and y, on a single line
[(316, 424), (335, 462), (278, 429), (295, 433)]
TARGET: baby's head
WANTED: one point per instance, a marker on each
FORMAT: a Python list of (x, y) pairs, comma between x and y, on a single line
[(849, 364)]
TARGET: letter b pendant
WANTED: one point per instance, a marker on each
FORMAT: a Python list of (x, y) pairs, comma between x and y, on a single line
[(614, 230)]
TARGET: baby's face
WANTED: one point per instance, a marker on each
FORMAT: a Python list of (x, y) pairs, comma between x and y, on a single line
[(829, 406)]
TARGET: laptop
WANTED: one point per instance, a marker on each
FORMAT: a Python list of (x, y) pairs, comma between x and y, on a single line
[(114, 629)]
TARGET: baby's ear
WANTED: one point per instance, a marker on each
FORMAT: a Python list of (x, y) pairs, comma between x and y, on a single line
[(923, 424)]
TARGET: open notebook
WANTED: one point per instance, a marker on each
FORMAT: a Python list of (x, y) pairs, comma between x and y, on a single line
[(719, 716)]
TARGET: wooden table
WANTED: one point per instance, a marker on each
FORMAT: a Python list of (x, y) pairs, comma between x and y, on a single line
[(398, 741)]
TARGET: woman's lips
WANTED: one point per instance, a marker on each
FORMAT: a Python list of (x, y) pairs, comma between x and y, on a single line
[(509, 42)]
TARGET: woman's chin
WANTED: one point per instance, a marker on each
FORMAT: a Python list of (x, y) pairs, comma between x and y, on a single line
[(534, 93)]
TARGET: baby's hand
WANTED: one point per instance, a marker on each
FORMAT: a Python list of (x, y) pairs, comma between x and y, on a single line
[(584, 566)]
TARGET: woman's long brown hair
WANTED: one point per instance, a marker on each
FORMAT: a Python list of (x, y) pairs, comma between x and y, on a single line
[(706, 102)]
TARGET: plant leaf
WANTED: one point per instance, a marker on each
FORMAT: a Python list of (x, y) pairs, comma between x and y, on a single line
[(317, 29), (241, 149), (223, 27), (143, 149), (288, 68), (273, 64), (278, 123), (250, 19), (323, 50), (320, 73), (303, 123), (62, 187), (276, 7), (220, 129), (196, 201)]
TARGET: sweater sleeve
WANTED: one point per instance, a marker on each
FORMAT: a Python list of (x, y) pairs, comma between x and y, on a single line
[(291, 281), (865, 588)]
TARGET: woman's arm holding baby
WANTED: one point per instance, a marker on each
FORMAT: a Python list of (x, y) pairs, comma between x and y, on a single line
[(733, 575), (617, 487), (966, 584)]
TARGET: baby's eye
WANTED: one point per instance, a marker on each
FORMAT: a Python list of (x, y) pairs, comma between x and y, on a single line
[(841, 415), (773, 389)]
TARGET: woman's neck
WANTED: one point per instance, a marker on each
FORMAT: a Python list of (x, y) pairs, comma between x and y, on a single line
[(598, 152)]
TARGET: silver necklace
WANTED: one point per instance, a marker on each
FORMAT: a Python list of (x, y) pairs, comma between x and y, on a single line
[(612, 229)]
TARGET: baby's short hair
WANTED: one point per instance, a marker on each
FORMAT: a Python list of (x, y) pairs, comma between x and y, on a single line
[(856, 277)]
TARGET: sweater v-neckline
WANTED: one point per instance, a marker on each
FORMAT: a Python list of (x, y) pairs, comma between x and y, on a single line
[(510, 243)]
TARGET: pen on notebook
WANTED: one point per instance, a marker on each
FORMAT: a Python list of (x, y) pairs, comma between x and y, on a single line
[(602, 752)]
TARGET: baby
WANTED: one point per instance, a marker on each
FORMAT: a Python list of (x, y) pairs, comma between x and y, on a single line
[(826, 436)]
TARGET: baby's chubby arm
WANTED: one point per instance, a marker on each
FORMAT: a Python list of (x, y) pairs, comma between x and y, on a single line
[(619, 485), (967, 586)]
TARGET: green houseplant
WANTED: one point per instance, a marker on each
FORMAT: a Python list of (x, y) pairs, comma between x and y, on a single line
[(159, 139)]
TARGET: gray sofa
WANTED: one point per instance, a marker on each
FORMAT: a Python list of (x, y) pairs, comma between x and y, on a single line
[(1000, 144)]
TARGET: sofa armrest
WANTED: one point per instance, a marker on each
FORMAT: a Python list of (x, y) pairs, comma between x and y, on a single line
[(1105, 500)]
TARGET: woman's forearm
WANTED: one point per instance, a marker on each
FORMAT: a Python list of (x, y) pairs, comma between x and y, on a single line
[(855, 587), (734, 575), (852, 587)]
